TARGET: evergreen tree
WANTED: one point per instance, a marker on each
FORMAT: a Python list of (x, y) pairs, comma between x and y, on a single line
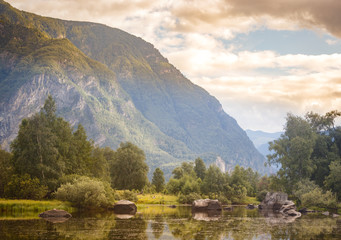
[(200, 168), (158, 180)]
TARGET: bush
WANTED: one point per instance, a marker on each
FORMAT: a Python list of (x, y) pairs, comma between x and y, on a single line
[(317, 198), (84, 192), (261, 195), (127, 195), (189, 198), (24, 187)]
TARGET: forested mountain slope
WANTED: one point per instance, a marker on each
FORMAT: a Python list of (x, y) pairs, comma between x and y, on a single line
[(172, 120)]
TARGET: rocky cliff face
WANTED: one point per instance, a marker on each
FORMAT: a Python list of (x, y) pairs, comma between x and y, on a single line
[(118, 86)]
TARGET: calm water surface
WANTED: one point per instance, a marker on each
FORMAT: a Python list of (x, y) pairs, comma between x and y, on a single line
[(162, 222)]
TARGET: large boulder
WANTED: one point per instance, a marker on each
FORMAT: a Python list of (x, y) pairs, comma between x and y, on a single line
[(278, 202), (55, 215), (125, 207), (206, 204), (274, 201)]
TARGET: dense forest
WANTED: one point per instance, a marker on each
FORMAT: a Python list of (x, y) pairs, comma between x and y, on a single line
[(50, 159)]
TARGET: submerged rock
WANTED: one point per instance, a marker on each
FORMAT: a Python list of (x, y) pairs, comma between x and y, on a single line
[(206, 204), (125, 207)]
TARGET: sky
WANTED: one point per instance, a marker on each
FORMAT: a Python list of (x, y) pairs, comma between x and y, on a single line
[(261, 59)]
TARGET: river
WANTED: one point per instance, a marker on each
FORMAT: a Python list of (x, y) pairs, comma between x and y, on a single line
[(162, 222)]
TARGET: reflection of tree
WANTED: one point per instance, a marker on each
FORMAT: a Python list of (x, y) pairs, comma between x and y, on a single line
[(157, 226), (247, 225), (133, 228)]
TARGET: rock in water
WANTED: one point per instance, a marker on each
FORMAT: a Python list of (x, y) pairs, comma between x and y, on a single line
[(55, 215), (278, 202), (206, 204), (274, 201), (125, 207)]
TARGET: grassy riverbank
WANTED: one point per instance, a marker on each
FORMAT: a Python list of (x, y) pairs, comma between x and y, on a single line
[(21, 205), (157, 199)]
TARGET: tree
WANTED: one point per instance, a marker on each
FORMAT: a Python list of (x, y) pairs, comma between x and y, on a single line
[(80, 153), (200, 168), (6, 170), (293, 150), (25, 187), (214, 181), (34, 151), (333, 180), (129, 169), (158, 180)]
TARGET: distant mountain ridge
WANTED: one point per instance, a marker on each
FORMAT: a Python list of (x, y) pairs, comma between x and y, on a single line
[(261, 139), (118, 86)]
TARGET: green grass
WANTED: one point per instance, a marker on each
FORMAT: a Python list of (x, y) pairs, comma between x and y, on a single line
[(250, 200), (21, 206), (157, 199)]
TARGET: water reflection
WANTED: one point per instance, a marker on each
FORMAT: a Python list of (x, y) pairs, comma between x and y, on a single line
[(158, 222)]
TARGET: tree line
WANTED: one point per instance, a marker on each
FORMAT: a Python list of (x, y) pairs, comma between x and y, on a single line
[(48, 152), (49, 158)]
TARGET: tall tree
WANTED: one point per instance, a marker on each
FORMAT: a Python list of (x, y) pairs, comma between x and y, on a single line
[(293, 150), (158, 180), (200, 168), (34, 151), (129, 169), (6, 170)]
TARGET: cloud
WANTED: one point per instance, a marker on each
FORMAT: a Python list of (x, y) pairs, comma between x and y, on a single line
[(244, 15)]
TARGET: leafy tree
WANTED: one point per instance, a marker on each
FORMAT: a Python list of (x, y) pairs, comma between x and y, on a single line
[(293, 150), (128, 169), (25, 187), (158, 180), (6, 170), (34, 151), (99, 163), (200, 168), (214, 181), (333, 180)]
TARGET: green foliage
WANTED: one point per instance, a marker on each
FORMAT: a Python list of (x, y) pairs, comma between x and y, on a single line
[(303, 187), (200, 168), (158, 180), (333, 180), (47, 149), (261, 195), (85, 192), (308, 153), (320, 199), (213, 181), (188, 198), (128, 169), (126, 195), (24, 187), (6, 170)]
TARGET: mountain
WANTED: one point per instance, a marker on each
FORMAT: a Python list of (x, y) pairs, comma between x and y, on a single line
[(261, 139), (118, 86)]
